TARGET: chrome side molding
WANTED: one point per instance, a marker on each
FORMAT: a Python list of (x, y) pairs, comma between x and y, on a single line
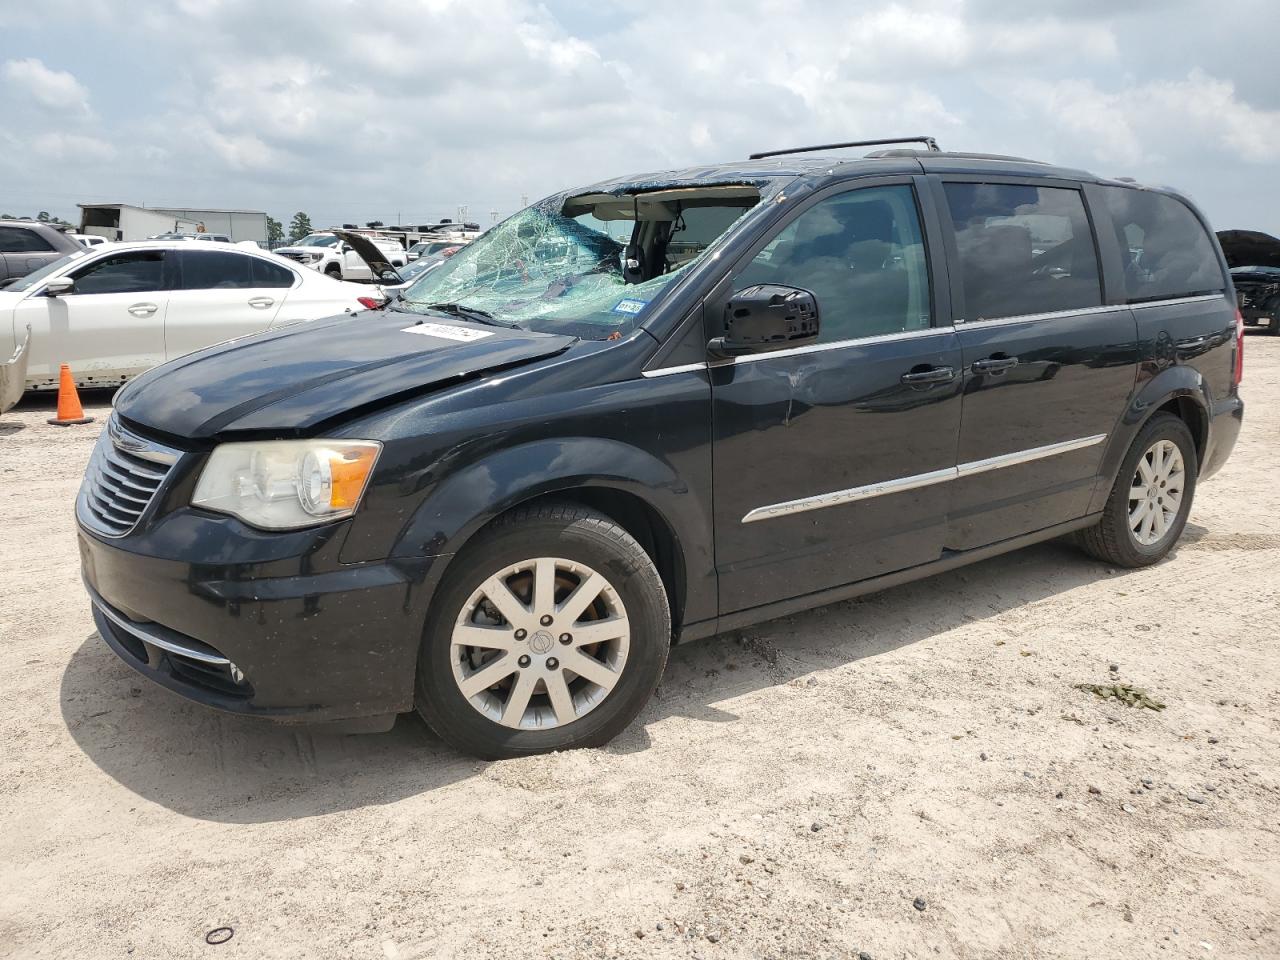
[(902, 484), (1026, 456), (836, 498)]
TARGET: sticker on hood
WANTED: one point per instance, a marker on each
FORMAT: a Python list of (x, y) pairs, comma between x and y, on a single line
[(445, 332)]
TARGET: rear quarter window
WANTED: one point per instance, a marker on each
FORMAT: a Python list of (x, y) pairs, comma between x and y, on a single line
[(1165, 248)]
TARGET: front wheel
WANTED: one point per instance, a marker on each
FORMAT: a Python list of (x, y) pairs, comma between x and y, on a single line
[(549, 632), (1147, 510)]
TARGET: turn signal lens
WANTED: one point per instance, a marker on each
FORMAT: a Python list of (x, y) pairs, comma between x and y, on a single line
[(370, 303), (332, 480)]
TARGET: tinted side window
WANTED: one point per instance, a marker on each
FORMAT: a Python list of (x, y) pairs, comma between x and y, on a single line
[(140, 271), (1023, 249), (1166, 250), (862, 254), (208, 269), (18, 240), (266, 274)]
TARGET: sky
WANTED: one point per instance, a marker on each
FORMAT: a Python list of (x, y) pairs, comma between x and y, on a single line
[(404, 110)]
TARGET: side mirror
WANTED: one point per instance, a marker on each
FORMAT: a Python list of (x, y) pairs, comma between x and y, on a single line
[(346, 248), (59, 285), (767, 316)]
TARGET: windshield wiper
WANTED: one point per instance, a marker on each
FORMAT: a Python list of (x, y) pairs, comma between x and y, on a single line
[(470, 313)]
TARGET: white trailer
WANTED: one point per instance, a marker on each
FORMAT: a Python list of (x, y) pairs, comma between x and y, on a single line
[(124, 221)]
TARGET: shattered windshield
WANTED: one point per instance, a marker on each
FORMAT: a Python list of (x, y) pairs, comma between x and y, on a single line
[(587, 265)]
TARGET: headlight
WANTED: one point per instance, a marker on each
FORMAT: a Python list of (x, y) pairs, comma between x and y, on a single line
[(282, 484)]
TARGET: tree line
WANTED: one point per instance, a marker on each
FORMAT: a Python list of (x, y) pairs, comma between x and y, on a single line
[(43, 217), (299, 227)]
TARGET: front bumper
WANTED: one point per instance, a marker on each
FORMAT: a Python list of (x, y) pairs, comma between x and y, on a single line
[(274, 638)]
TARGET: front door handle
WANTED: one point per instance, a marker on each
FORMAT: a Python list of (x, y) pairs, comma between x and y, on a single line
[(932, 375), (261, 302), (994, 364), (143, 309)]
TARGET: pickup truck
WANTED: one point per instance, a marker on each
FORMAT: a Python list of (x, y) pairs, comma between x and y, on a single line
[(329, 253)]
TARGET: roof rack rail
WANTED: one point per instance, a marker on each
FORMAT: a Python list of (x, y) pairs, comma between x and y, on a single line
[(929, 142)]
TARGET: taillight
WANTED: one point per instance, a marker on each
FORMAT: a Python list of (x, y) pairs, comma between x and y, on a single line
[(1238, 374), (370, 303)]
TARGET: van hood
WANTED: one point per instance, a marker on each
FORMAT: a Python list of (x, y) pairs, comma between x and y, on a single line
[(288, 382)]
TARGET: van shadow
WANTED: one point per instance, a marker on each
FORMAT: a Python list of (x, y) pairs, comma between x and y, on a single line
[(213, 766)]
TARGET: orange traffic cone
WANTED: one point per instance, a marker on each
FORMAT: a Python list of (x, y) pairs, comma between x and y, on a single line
[(69, 409)]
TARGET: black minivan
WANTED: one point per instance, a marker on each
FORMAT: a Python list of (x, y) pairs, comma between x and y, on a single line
[(652, 410)]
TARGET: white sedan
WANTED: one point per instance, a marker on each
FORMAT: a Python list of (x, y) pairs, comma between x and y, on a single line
[(119, 309)]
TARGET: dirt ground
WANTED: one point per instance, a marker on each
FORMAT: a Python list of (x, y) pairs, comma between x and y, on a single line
[(909, 775)]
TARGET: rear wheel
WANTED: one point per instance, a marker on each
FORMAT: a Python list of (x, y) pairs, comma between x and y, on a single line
[(1147, 510), (334, 271), (549, 632)]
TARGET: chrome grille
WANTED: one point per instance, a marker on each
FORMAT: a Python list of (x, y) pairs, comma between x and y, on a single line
[(123, 476)]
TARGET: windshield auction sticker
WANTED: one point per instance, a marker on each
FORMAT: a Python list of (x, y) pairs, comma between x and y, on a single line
[(630, 306), (445, 332)]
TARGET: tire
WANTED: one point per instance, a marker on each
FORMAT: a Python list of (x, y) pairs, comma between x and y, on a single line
[(517, 552), (333, 271), (1114, 539), (1273, 324)]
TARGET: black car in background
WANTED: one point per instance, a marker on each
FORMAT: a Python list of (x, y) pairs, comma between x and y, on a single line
[(1258, 295), (1254, 259), (27, 245), (791, 382)]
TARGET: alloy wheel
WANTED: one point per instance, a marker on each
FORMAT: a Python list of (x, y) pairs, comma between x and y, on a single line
[(1155, 494), (540, 643)]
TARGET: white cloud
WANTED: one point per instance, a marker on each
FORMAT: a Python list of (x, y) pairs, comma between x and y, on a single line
[(71, 148), (55, 89), (1193, 117), (354, 111)]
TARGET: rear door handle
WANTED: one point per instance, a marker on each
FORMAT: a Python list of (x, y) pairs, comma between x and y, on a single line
[(261, 302), (932, 375), (994, 364), (143, 309)]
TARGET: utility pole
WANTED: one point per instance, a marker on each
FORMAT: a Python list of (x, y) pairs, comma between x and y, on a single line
[(494, 214)]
